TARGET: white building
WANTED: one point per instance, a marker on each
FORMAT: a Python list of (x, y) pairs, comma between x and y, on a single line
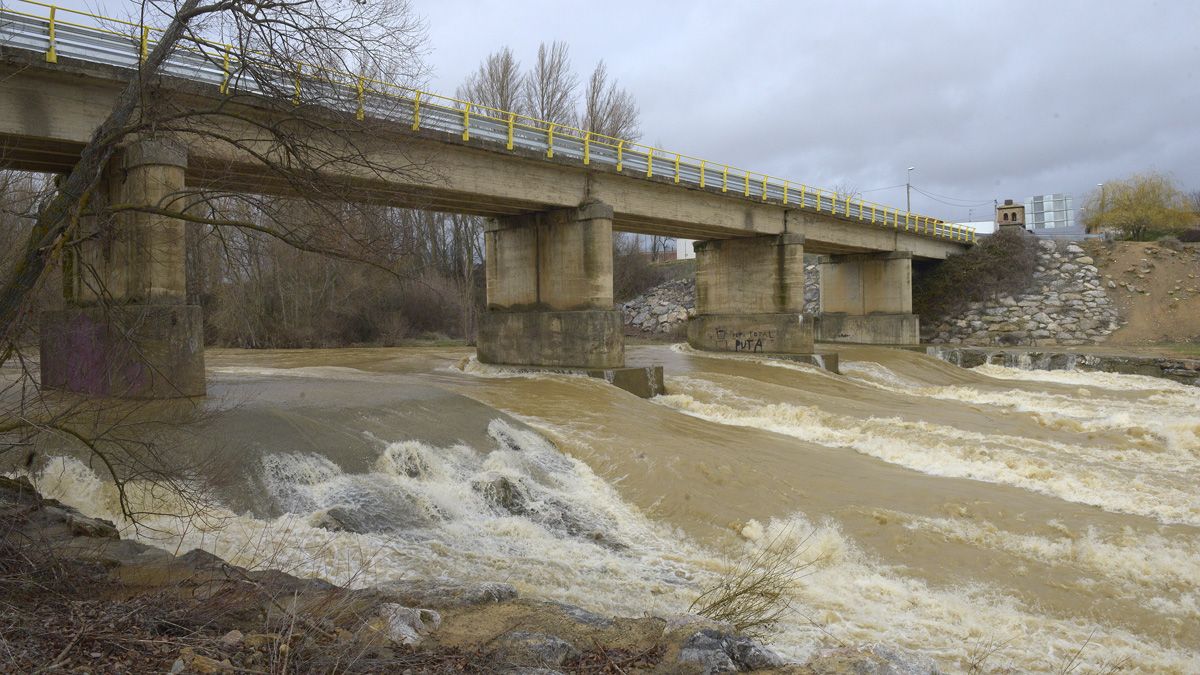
[(685, 249), (1050, 212)]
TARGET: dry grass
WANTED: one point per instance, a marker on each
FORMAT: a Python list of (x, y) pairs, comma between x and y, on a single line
[(754, 592)]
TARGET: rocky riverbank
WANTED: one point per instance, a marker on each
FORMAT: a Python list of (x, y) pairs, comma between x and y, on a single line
[(663, 311), (81, 599), (1067, 303)]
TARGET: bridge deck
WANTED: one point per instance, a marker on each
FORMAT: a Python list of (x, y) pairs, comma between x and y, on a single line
[(474, 159)]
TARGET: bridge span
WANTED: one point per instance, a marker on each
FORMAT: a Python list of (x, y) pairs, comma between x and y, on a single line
[(554, 195)]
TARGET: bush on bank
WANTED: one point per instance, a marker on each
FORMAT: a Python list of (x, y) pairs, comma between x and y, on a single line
[(1001, 264)]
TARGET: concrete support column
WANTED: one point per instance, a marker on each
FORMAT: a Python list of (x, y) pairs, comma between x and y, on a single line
[(127, 330), (750, 296), (550, 291), (867, 299)]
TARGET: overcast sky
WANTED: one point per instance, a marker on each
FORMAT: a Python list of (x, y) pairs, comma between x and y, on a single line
[(988, 100)]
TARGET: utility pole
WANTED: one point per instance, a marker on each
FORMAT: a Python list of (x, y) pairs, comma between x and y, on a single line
[(908, 190)]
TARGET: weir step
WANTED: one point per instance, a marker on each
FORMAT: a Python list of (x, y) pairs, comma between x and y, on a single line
[(642, 381)]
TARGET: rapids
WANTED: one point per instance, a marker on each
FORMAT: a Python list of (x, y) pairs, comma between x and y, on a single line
[(1014, 519)]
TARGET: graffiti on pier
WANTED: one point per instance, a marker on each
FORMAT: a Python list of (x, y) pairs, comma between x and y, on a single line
[(744, 340)]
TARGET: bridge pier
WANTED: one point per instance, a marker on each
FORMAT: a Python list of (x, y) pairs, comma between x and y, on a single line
[(127, 330), (867, 299), (750, 296), (550, 291)]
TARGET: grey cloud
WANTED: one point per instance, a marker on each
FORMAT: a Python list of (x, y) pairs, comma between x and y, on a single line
[(987, 99)]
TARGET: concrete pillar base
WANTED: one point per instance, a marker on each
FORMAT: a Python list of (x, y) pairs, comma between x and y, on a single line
[(126, 351), (576, 339), (869, 329), (752, 333)]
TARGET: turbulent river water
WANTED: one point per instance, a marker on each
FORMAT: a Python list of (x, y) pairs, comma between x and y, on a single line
[(1036, 521)]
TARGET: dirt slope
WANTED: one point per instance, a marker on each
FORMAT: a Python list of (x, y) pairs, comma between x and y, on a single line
[(1156, 289)]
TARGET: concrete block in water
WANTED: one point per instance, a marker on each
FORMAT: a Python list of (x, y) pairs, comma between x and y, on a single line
[(129, 351), (869, 329), (588, 339), (643, 381)]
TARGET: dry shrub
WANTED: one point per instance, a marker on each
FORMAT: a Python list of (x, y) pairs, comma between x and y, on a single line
[(754, 592), (1172, 243), (1190, 236), (633, 272), (1001, 264), (288, 298)]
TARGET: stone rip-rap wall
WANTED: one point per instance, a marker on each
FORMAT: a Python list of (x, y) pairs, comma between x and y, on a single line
[(666, 308), (663, 309), (1066, 304)]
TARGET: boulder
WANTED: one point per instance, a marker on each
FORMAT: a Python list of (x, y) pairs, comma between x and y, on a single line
[(537, 649), (872, 660), (444, 594), (719, 652)]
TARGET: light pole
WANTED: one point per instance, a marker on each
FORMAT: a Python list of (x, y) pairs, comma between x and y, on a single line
[(908, 190)]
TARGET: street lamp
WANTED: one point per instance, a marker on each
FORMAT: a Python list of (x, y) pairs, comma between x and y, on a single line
[(908, 189)]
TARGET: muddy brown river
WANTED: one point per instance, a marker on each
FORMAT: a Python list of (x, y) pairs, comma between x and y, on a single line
[(1029, 519)]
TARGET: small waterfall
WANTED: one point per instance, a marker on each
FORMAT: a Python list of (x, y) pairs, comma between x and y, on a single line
[(971, 357)]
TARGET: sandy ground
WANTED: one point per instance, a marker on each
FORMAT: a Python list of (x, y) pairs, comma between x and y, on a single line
[(1156, 289)]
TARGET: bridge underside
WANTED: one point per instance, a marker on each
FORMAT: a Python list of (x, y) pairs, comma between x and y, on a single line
[(549, 264)]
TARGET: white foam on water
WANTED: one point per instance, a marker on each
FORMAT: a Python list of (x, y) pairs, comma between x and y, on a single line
[(852, 598), (759, 359), (551, 550), (1167, 416), (470, 365), (877, 374), (325, 372), (1122, 479), (519, 512), (1151, 567)]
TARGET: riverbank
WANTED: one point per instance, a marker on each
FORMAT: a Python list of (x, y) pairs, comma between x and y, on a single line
[(80, 598)]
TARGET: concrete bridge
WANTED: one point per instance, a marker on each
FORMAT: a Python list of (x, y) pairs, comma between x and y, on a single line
[(554, 196)]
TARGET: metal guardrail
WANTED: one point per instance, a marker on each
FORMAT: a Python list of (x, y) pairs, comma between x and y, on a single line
[(124, 44)]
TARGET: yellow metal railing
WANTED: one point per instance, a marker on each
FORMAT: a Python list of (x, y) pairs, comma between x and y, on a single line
[(360, 89)]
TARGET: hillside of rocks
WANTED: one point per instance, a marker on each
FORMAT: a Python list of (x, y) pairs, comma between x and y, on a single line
[(1085, 293), (1067, 303), (662, 311)]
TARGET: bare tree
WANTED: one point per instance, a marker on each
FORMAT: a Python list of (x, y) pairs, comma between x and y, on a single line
[(550, 88), (283, 114), (1193, 198), (844, 190), (497, 83), (271, 39), (607, 109)]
